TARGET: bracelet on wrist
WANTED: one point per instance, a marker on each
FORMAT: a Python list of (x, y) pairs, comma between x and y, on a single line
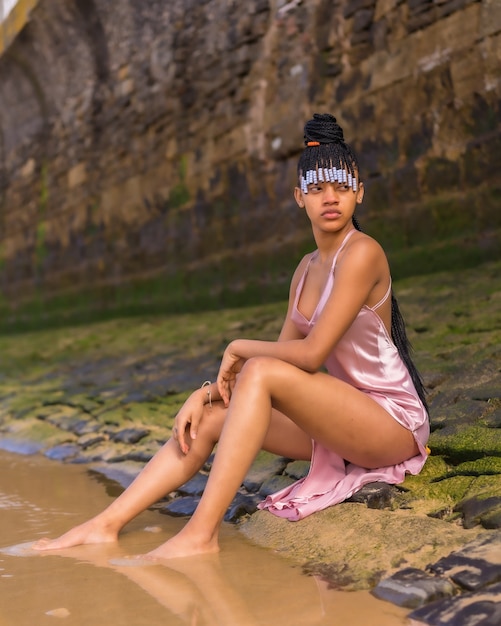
[(208, 384)]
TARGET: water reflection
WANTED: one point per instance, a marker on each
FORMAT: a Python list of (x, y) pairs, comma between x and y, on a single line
[(242, 586)]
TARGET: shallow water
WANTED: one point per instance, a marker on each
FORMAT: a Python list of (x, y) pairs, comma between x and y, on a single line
[(242, 586)]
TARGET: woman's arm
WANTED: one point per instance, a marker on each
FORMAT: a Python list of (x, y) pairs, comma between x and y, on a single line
[(190, 414), (362, 265)]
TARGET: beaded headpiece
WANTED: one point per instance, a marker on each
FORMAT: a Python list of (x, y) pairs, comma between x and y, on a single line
[(326, 157)]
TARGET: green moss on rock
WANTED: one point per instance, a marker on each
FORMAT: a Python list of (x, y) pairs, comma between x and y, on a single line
[(467, 444)]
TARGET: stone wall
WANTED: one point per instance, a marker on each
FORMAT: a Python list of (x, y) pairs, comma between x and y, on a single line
[(154, 143)]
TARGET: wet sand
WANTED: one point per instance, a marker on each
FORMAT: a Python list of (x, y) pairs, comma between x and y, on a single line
[(242, 586)]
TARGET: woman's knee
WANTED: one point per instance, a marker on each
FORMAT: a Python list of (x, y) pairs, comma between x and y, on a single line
[(260, 367)]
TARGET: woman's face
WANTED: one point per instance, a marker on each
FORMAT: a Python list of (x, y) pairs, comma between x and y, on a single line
[(330, 206)]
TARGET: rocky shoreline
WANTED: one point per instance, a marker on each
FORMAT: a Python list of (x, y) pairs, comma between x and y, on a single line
[(106, 394)]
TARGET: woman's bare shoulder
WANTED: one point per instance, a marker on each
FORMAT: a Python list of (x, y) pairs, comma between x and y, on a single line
[(364, 248)]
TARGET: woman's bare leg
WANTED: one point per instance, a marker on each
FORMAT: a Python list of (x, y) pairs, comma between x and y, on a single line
[(167, 471), (339, 416)]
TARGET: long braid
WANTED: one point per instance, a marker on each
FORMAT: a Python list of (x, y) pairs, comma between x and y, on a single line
[(399, 336), (330, 150)]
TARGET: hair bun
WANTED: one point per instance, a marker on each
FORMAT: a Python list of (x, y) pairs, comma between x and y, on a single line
[(324, 129)]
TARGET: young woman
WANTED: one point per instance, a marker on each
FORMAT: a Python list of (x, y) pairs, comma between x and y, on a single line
[(363, 419)]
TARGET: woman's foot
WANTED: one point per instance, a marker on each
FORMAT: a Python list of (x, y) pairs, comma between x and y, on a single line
[(184, 544), (86, 533)]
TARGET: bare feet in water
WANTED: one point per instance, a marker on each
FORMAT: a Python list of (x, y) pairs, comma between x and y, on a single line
[(183, 545), (87, 533)]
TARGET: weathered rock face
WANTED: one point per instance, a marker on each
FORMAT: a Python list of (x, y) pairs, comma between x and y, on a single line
[(144, 137)]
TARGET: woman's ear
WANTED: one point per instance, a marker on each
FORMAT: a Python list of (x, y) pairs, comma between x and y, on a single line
[(298, 195), (360, 193)]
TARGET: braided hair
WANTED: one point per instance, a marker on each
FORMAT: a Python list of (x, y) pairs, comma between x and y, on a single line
[(326, 156)]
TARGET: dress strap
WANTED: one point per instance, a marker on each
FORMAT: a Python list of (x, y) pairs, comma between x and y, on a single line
[(343, 243), (383, 299)]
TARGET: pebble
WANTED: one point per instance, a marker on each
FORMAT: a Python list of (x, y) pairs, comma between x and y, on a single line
[(62, 612)]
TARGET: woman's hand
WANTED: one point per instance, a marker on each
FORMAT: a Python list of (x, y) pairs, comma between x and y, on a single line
[(188, 419), (231, 364)]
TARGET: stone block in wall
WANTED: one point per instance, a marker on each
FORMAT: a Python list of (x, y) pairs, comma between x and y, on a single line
[(352, 6), (468, 75), (453, 35), (481, 161), (491, 54), (405, 185), (422, 52), (419, 140), (77, 175), (377, 157), (441, 175), (376, 197), (383, 7), (421, 16), (490, 18)]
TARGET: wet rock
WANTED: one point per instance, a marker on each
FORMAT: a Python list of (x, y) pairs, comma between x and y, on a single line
[(493, 419), (62, 452), (492, 519), (66, 420), (130, 435), (297, 469), (451, 415), (376, 495), (195, 486), (466, 442), (185, 505), (84, 427), (121, 473), (488, 465), (90, 439), (137, 396), (20, 446), (484, 511), (485, 393), (275, 483), (264, 466), (142, 456), (412, 588), (243, 504), (475, 566), (483, 609)]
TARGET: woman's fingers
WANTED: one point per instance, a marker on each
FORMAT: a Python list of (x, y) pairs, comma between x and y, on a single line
[(224, 390), (194, 424), (179, 436)]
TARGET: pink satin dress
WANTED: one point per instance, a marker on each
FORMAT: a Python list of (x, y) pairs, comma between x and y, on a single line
[(367, 359)]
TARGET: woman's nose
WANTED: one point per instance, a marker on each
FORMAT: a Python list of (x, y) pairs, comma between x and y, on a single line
[(330, 193)]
